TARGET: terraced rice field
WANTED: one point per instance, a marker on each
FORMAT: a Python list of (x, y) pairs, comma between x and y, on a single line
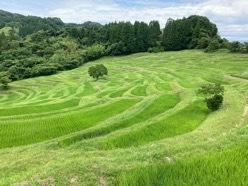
[(144, 124)]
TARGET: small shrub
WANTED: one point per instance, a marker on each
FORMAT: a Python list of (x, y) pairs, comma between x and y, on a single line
[(215, 102), (214, 95), (98, 71)]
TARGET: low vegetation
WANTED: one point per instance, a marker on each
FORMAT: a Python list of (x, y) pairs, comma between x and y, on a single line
[(148, 123), (145, 125), (214, 95)]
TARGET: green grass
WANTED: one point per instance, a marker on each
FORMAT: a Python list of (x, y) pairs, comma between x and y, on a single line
[(139, 91), (144, 124), (118, 93), (38, 109), (27, 132), (160, 105), (181, 122), (225, 168)]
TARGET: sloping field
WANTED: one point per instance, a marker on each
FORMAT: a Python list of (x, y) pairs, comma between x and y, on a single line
[(144, 124)]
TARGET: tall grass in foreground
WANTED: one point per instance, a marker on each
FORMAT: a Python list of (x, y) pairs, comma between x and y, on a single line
[(27, 132), (181, 122), (160, 105), (227, 168)]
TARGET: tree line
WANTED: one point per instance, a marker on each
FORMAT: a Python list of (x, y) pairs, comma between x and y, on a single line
[(32, 46)]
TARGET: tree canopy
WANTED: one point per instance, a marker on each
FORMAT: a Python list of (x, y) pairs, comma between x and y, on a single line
[(98, 71), (187, 33)]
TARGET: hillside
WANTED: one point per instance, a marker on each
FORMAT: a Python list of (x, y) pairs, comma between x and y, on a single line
[(28, 24), (32, 46), (144, 124)]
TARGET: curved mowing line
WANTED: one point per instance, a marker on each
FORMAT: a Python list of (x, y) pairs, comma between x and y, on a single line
[(139, 91), (163, 86), (38, 109), (160, 105), (184, 121), (104, 93), (51, 114), (12, 96), (88, 90), (118, 93), (23, 133)]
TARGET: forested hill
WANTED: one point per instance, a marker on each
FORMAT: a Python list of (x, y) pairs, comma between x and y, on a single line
[(28, 24), (32, 46)]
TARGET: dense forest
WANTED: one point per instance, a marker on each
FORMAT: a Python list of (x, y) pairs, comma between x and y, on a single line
[(31, 46)]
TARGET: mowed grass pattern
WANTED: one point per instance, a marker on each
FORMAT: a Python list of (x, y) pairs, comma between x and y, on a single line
[(158, 106), (27, 132), (181, 122), (143, 124)]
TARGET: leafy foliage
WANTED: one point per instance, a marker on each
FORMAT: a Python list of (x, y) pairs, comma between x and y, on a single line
[(214, 102), (94, 52), (214, 95), (212, 89), (117, 49), (28, 24), (155, 49), (4, 79), (235, 46), (213, 46), (186, 33), (154, 32), (203, 43), (98, 71)]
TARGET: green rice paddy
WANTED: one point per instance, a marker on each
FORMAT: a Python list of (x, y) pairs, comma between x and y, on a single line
[(144, 124)]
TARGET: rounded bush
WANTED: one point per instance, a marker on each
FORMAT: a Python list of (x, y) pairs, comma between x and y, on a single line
[(215, 102)]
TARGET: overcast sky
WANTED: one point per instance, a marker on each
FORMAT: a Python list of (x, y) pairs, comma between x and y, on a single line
[(231, 16)]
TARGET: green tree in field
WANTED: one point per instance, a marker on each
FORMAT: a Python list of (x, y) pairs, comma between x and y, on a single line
[(214, 95), (4, 79), (98, 71), (214, 102)]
